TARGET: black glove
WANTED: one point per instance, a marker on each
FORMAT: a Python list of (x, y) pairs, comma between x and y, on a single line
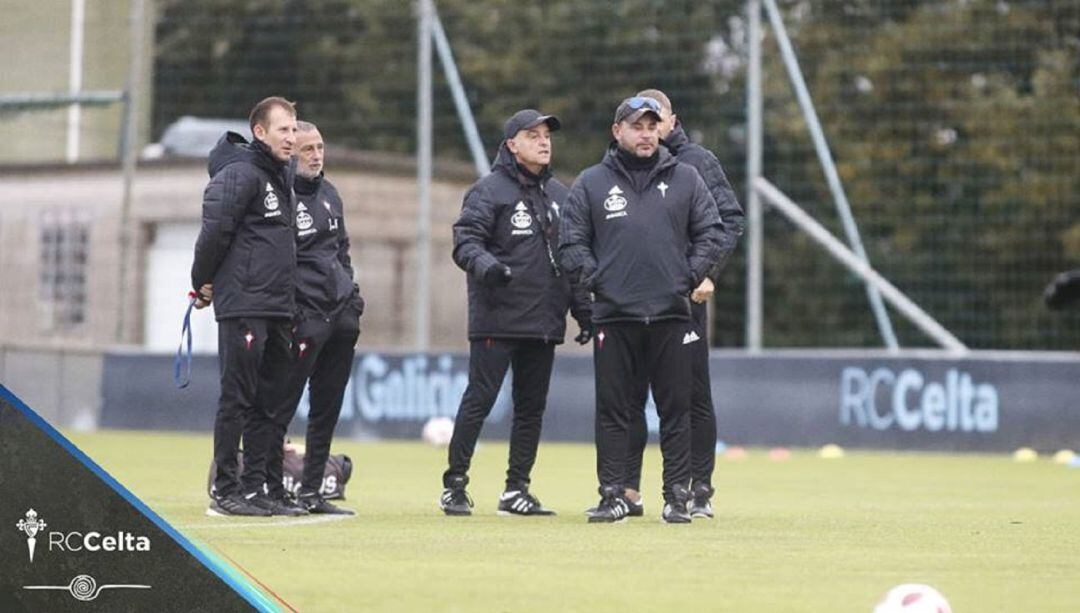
[(586, 333), (498, 275), (1064, 290)]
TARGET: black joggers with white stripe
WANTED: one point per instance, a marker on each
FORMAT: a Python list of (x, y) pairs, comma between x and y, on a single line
[(628, 357), (702, 413), (489, 360)]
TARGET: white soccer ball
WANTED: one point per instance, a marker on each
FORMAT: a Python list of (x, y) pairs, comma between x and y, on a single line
[(913, 598), (438, 431)]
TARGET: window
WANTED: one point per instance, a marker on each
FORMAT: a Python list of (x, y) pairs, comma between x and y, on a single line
[(65, 247)]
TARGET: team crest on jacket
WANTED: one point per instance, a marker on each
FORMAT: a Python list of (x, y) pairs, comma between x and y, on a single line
[(521, 220), (270, 201), (304, 220), (615, 204)]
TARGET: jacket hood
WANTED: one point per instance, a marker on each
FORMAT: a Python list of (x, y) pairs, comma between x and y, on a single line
[(232, 147)]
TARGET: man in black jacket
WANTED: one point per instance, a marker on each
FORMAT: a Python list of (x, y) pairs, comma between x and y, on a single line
[(324, 338), (702, 410), (641, 231), (518, 299), (245, 261)]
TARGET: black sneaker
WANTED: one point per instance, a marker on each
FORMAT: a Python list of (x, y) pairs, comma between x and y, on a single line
[(454, 499), (700, 503), (317, 505), (235, 505), (281, 507), (613, 507), (675, 511), (521, 502), (637, 509)]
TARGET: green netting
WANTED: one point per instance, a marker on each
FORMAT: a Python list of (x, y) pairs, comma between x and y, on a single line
[(955, 126)]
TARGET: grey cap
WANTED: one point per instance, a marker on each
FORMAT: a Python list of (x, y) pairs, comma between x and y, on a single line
[(633, 108), (528, 118)]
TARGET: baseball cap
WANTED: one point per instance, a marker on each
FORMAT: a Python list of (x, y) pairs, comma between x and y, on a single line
[(633, 108), (529, 118)]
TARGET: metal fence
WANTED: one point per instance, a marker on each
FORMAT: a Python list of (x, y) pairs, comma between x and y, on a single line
[(955, 125)]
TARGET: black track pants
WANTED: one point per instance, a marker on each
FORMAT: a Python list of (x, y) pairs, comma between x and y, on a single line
[(253, 352), (488, 361), (702, 413), (628, 357), (324, 353)]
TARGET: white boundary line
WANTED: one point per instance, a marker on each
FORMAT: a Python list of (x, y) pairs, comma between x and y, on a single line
[(288, 523)]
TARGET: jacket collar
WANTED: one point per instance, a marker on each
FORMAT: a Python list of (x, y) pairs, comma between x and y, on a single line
[(233, 147), (677, 139), (508, 165), (306, 186), (664, 161)]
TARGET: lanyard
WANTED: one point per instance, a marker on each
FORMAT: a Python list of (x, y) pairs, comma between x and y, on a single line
[(543, 230), (181, 361)]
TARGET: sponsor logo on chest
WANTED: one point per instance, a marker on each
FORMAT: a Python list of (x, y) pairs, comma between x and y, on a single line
[(270, 201), (615, 203), (521, 220), (304, 221)]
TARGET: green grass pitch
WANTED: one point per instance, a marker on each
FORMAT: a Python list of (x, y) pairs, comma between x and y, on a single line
[(803, 535)]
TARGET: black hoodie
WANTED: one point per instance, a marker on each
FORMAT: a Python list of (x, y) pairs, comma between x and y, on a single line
[(640, 248), (246, 246), (323, 265), (703, 160), (511, 217)]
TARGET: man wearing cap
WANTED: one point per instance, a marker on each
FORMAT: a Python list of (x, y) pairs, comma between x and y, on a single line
[(702, 411), (640, 230), (518, 298)]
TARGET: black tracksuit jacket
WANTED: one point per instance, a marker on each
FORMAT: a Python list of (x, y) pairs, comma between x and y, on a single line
[(246, 246), (727, 205), (324, 268), (640, 249), (512, 218)]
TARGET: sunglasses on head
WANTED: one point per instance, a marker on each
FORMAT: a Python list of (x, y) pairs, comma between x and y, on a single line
[(639, 101)]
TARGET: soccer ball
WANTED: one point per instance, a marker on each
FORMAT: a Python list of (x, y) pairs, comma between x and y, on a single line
[(438, 431), (913, 598)]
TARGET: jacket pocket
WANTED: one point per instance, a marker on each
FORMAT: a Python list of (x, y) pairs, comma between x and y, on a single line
[(267, 273), (245, 268)]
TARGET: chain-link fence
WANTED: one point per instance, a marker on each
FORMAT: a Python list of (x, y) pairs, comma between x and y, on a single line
[(955, 125)]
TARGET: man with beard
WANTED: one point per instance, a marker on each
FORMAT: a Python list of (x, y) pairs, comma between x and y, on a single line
[(327, 327), (702, 410), (641, 232)]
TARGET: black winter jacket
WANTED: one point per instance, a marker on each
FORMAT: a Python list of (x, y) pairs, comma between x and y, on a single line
[(323, 265), (510, 217), (246, 246), (727, 205), (640, 252)]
